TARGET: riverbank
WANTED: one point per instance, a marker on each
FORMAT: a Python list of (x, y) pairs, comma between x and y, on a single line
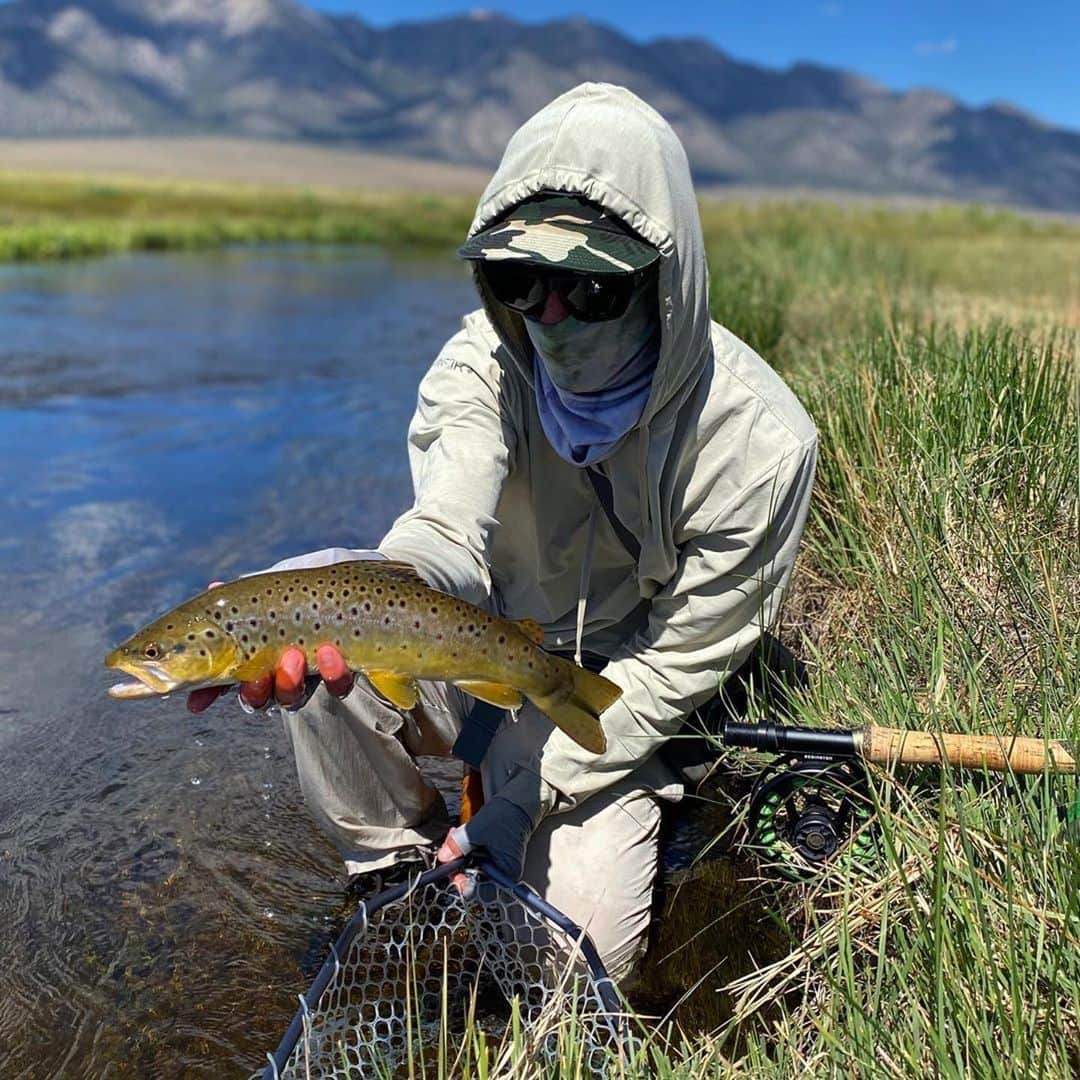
[(47, 217)]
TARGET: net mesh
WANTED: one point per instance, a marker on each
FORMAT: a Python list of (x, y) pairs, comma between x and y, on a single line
[(423, 961)]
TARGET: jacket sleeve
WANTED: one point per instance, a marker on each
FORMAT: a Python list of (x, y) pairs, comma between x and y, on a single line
[(726, 590), (461, 442)]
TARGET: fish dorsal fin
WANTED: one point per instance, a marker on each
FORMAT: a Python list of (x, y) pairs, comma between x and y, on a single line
[(398, 689), (531, 629), (401, 569)]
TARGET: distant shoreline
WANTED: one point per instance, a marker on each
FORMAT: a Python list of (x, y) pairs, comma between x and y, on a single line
[(266, 163)]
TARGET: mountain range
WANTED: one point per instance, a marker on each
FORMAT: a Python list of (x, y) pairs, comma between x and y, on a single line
[(454, 89)]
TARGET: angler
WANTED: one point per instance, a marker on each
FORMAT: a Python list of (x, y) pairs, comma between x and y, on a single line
[(592, 451)]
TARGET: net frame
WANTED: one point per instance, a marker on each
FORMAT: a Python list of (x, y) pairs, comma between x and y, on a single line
[(504, 933)]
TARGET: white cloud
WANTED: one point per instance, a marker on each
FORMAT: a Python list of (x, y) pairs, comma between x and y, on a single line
[(944, 47)]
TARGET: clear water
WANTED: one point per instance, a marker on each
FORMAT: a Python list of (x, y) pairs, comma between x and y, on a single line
[(165, 420)]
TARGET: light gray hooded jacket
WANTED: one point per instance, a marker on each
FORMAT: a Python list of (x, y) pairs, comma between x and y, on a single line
[(714, 482)]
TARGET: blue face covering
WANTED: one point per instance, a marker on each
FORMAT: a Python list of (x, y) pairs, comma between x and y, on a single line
[(593, 379)]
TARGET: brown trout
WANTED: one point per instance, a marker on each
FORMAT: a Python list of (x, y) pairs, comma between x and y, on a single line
[(387, 624)]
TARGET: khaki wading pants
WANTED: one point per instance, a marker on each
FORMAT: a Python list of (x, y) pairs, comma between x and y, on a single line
[(356, 759)]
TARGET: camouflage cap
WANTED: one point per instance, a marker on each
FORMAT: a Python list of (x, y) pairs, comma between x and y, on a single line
[(562, 231)]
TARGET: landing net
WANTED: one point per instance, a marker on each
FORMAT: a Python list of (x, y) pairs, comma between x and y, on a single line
[(417, 957)]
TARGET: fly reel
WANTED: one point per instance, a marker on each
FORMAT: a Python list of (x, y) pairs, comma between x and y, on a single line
[(807, 816), (811, 810)]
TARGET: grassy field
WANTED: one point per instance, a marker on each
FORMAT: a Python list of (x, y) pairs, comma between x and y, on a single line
[(939, 588)]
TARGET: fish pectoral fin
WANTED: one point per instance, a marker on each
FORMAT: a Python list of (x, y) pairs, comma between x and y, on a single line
[(400, 690), (531, 629), (505, 697), (262, 663)]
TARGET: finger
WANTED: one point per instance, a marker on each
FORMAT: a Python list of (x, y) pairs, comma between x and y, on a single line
[(256, 693), (447, 853), (215, 584), (449, 850), (198, 700), (334, 671), (289, 677)]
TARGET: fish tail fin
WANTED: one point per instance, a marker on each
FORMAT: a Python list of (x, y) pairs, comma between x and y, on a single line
[(593, 692), (578, 712)]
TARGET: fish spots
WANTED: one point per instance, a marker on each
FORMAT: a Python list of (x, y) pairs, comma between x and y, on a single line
[(235, 610), (170, 627), (502, 639), (297, 616), (316, 626), (434, 610), (191, 637), (281, 632), (356, 632), (229, 626), (378, 590), (329, 594), (243, 637), (354, 610), (367, 605), (416, 623), (266, 638), (217, 615), (273, 614)]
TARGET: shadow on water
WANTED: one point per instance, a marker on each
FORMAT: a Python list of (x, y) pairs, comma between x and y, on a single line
[(167, 419)]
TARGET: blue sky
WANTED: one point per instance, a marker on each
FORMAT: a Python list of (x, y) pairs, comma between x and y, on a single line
[(1027, 54)]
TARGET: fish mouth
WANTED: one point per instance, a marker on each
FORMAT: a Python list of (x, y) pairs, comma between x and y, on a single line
[(149, 678)]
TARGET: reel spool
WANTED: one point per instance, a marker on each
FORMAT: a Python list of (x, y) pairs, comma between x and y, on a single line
[(809, 815)]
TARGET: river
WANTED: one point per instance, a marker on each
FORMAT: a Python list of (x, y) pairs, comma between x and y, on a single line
[(167, 419)]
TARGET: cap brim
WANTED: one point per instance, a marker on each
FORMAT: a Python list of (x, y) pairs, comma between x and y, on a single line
[(565, 241)]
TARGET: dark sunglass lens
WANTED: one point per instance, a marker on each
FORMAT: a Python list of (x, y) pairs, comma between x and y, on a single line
[(597, 298), (515, 286)]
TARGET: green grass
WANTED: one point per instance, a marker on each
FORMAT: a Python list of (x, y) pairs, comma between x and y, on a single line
[(50, 218), (939, 588)]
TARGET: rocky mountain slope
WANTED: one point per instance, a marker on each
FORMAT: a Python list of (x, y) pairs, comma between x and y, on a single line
[(454, 90)]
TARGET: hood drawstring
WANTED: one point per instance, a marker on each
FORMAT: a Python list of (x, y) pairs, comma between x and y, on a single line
[(583, 583)]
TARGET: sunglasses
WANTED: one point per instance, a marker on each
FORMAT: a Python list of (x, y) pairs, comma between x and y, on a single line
[(589, 297)]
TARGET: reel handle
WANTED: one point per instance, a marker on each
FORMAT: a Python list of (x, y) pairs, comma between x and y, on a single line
[(998, 753)]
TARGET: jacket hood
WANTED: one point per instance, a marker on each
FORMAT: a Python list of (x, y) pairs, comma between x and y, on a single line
[(604, 143)]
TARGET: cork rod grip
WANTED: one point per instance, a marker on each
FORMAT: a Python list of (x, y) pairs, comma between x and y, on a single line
[(888, 746)]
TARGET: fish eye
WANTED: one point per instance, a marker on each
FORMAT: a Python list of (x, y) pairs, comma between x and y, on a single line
[(152, 651)]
